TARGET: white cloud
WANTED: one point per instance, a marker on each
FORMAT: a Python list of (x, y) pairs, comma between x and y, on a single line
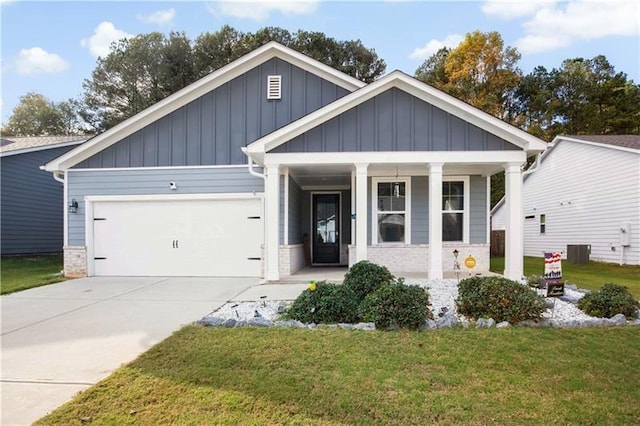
[(160, 17), (103, 35), (549, 25), (261, 10), (422, 53), (38, 61), (510, 9)]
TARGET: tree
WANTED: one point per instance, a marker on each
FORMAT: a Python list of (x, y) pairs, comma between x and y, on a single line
[(583, 96), (480, 71), (141, 71), (35, 115), (433, 71)]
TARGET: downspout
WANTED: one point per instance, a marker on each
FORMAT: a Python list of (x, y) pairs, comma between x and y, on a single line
[(534, 166), (253, 172), (264, 227)]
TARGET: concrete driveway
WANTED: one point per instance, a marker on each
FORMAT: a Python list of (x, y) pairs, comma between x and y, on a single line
[(62, 338)]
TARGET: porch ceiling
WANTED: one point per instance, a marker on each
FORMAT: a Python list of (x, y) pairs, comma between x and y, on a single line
[(339, 175)]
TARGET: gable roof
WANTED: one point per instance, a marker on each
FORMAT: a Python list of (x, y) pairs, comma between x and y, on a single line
[(402, 81), (624, 142), (197, 89), (628, 143), (21, 145)]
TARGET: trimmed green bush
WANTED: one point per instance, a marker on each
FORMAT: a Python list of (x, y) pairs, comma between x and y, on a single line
[(396, 305), (610, 300), (329, 303), (365, 277), (498, 298)]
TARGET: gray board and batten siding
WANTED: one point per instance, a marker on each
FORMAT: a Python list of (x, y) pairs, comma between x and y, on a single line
[(211, 129), (203, 180), (31, 201), (420, 210), (395, 121)]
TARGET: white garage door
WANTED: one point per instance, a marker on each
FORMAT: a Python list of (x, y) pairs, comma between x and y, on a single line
[(178, 238)]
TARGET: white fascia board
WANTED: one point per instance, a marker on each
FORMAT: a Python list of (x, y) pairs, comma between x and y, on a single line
[(558, 139), (398, 79), (194, 91), (497, 206), (390, 157)]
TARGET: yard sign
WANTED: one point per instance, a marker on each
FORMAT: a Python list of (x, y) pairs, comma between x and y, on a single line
[(553, 274)]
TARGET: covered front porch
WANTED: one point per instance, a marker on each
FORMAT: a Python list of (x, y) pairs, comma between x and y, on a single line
[(413, 217)]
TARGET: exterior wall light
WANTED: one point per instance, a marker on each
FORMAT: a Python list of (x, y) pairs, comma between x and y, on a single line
[(73, 206)]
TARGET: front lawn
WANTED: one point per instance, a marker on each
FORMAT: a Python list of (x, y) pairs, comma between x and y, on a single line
[(23, 272), (590, 276), (293, 376)]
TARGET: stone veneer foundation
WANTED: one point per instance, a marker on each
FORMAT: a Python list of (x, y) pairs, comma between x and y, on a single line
[(75, 261)]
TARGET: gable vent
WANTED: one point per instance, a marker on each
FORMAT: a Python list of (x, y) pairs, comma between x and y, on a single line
[(274, 87)]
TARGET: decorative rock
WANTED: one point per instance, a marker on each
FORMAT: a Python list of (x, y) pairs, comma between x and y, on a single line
[(465, 324), (259, 322), (447, 321), (491, 323), (481, 323), (366, 326), (618, 319), (210, 321), (429, 325), (289, 324), (503, 324), (229, 323), (549, 303), (345, 326), (312, 326)]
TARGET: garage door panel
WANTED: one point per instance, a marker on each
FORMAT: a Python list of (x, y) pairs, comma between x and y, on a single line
[(178, 238)]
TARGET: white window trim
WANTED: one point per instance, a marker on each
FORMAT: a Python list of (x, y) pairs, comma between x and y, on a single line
[(466, 206), (374, 208)]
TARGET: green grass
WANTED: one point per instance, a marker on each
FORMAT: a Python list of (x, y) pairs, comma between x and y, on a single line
[(257, 376), (20, 273), (590, 276)]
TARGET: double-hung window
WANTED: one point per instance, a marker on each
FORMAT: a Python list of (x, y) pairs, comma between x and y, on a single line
[(391, 211), (455, 209)]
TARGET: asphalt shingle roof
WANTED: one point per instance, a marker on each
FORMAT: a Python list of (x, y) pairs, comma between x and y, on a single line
[(625, 141), (10, 143)]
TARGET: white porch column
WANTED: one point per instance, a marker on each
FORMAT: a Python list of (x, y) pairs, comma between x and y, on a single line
[(435, 220), (361, 212), (271, 222), (513, 247)]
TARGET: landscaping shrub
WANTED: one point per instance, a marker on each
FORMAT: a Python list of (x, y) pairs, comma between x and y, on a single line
[(610, 300), (498, 298), (329, 303), (398, 304), (365, 277)]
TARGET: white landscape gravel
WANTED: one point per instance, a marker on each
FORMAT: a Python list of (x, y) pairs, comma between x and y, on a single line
[(562, 312)]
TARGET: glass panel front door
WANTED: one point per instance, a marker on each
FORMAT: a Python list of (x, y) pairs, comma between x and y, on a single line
[(326, 228)]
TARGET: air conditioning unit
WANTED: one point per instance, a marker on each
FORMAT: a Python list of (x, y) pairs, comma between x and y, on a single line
[(578, 253)]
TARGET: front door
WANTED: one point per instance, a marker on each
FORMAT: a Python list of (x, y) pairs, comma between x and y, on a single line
[(326, 228)]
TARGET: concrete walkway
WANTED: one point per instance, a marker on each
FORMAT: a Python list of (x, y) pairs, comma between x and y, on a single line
[(60, 339)]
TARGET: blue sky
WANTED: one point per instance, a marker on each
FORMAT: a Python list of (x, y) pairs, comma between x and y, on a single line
[(51, 47)]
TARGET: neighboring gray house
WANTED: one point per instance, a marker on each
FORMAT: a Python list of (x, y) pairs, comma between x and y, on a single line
[(232, 174), (31, 210), (584, 190)]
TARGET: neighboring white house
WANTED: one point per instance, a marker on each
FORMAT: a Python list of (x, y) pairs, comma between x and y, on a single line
[(584, 190)]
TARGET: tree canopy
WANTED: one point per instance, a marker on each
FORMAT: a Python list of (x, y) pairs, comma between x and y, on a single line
[(480, 70), (35, 115)]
